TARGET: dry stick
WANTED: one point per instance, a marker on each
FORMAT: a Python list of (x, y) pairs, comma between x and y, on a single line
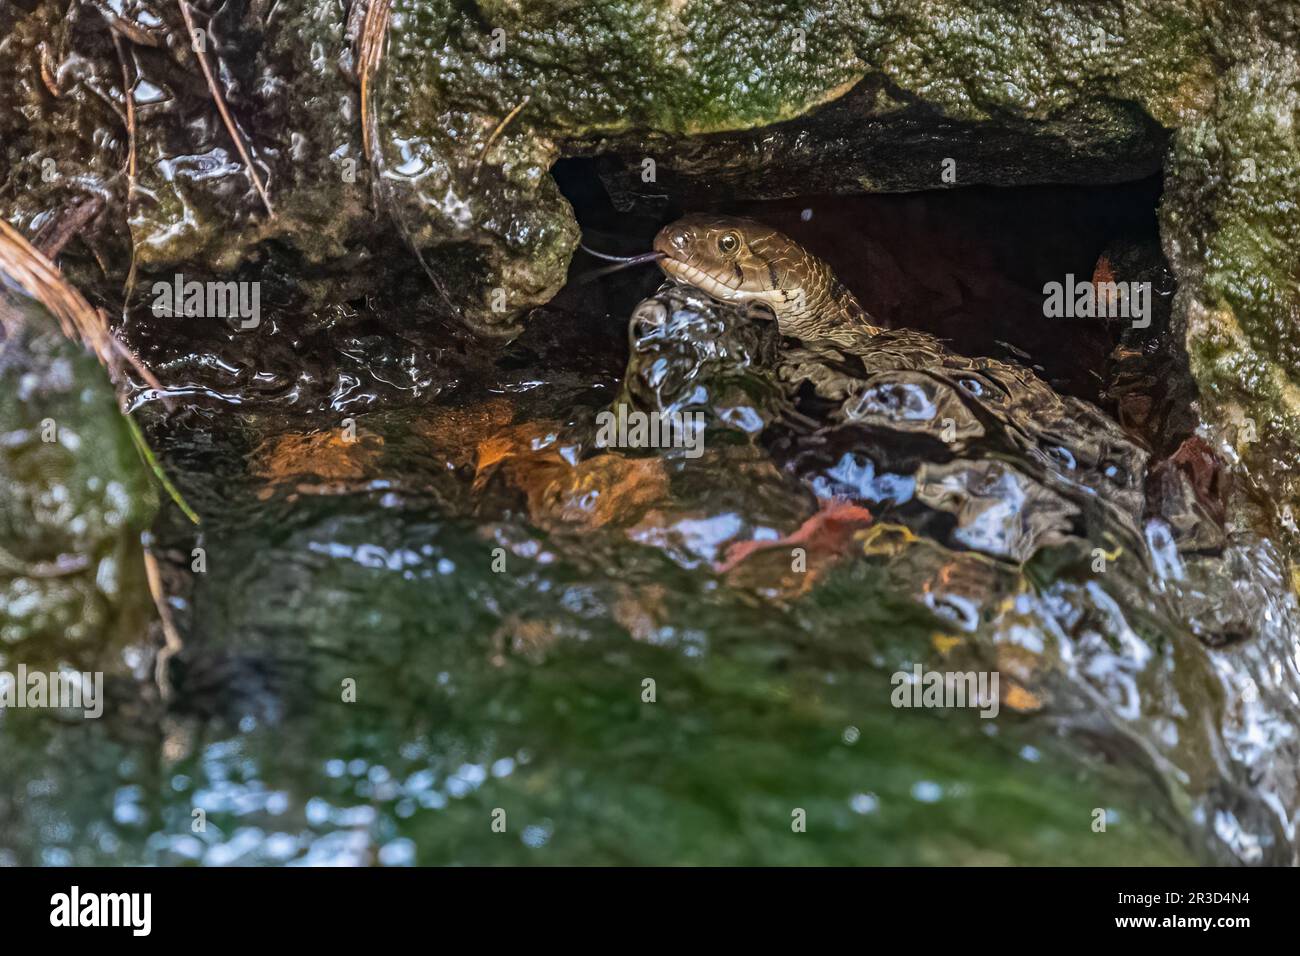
[(495, 133), (221, 108)]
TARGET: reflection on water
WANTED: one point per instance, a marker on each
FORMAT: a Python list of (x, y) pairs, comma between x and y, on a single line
[(437, 625)]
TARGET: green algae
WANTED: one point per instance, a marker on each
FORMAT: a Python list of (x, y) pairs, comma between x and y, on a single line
[(756, 716)]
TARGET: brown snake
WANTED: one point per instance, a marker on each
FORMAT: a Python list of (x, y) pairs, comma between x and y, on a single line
[(746, 263)]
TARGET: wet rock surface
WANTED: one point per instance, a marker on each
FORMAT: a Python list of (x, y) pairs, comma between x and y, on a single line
[(499, 586), (391, 502), (676, 92), (1019, 518), (172, 188), (1231, 234)]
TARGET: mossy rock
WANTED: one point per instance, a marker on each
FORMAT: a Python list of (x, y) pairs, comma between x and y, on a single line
[(75, 496), (1232, 232)]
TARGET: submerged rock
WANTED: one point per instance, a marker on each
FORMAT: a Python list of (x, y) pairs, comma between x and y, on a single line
[(445, 120), (977, 451), (1019, 519), (74, 497)]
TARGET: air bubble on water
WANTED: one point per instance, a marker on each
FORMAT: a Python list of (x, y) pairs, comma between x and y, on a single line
[(536, 835), (317, 811), (399, 852), (864, 803), (927, 791)]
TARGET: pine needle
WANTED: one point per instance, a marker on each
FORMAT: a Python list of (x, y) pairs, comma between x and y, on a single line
[(370, 51), (225, 113), (147, 454), (496, 133)]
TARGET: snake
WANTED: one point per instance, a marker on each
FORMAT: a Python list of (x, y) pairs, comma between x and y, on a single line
[(746, 263)]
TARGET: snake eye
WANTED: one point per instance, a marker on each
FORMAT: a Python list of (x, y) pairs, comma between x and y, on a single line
[(729, 242)]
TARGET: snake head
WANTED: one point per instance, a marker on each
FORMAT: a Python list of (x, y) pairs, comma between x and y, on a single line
[(734, 260), (746, 263)]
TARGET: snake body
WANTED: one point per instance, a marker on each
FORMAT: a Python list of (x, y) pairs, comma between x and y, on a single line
[(747, 263)]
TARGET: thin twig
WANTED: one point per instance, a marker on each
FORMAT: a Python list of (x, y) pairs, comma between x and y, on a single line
[(47, 75), (370, 51), (225, 113), (495, 133), (156, 467), (40, 278), (128, 93), (34, 273), (172, 644), (66, 225), (127, 28)]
